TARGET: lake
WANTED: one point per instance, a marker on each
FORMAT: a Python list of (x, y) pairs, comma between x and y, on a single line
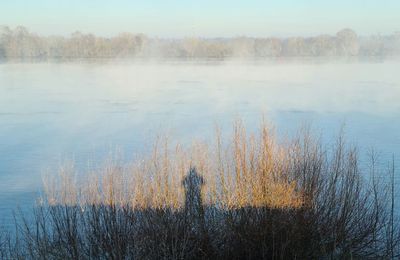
[(51, 113)]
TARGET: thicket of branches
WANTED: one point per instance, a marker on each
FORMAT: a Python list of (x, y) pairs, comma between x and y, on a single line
[(21, 44), (250, 198)]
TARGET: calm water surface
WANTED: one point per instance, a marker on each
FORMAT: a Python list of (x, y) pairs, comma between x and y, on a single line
[(50, 113)]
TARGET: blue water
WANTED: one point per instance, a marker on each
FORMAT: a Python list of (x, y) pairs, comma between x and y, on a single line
[(53, 113)]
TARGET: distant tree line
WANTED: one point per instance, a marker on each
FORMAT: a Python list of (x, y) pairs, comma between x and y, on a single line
[(19, 43)]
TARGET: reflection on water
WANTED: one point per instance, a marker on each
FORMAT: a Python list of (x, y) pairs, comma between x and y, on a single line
[(53, 112)]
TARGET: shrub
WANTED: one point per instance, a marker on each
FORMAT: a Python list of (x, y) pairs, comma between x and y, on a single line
[(255, 198)]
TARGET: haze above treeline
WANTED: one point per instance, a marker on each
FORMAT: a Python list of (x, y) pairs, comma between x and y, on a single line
[(20, 43)]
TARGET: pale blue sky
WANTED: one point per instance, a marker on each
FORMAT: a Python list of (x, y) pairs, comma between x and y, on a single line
[(179, 18)]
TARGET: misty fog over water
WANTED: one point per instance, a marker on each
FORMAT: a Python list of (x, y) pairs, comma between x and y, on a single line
[(50, 112)]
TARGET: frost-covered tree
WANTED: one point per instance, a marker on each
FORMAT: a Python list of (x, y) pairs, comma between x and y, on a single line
[(295, 46), (4, 35), (242, 47), (323, 45), (270, 47), (347, 42)]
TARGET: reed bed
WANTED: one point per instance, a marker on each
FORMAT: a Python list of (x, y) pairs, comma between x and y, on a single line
[(251, 197), (249, 171)]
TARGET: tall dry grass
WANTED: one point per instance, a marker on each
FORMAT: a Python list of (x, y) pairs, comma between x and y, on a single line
[(252, 170), (260, 199)]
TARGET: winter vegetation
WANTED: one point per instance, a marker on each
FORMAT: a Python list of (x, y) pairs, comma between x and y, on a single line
[(249, 197), (21, 44)]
